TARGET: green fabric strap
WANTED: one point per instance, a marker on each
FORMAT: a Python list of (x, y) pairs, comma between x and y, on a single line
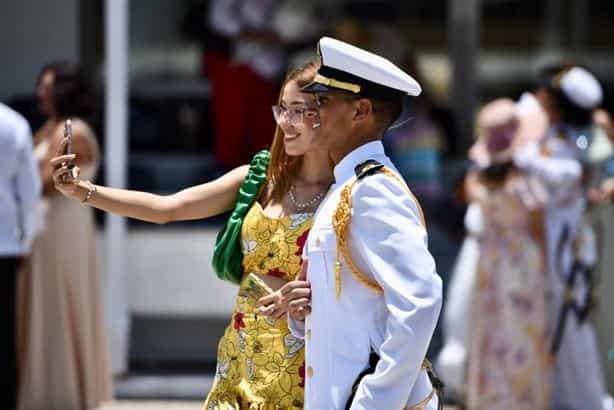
[(227, 256)]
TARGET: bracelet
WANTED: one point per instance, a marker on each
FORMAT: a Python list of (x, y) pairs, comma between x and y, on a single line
[(91, 189)]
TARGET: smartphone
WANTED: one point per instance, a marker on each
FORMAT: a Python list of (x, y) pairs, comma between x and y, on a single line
[(255, 287), (68, 136)]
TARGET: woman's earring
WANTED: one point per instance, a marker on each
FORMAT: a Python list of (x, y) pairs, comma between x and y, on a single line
[(316, 125)]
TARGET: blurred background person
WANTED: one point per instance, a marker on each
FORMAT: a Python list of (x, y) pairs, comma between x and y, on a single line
[(63, 358), (568, 160), (19, 195), (451, 361), (245, 79), (416, 146), (457, 323), (247, 46), (509, 362)]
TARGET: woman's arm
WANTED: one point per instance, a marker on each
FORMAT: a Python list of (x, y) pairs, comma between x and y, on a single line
[(197, 202)]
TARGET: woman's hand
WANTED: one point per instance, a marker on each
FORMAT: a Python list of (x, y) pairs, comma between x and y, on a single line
[(273, 305), (65, 179), (294, 298)]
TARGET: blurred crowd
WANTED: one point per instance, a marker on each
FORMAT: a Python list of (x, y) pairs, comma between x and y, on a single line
[(531, 198), (518, 316)]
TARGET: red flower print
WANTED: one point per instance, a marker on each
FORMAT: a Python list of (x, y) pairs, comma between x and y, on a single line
[(300, 242), (239, 323), (301, 374), (277, 273)]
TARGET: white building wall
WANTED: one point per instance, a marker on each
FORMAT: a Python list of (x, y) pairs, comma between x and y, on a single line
[(169, 273), (33, 33)]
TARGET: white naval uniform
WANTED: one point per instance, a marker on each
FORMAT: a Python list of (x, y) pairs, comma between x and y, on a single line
[(389, 243), (578, 378)]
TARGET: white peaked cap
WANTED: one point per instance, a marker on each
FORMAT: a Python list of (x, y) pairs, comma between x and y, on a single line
[(582, 88), (353, 69)]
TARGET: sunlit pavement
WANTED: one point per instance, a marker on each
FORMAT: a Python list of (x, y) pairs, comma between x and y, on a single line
[(165, 405), (164, 392), (151, 405)]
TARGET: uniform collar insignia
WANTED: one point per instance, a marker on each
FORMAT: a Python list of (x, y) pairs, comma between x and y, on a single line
[(368, 167)]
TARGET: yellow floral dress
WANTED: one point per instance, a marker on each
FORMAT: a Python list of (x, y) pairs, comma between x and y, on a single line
[(260, 364)]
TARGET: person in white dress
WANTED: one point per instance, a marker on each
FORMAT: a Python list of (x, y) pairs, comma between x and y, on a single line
[(457, 327)]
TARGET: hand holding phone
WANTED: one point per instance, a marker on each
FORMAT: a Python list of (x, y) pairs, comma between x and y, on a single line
[(68, 147)]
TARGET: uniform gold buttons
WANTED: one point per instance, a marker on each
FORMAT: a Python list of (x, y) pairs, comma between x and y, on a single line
[(308, 334), (317, 241), (310, 371)]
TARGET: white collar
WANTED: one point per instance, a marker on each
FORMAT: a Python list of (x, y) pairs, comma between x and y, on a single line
[(344, 169)]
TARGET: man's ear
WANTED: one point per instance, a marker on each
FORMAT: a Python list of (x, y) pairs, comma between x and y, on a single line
[(362, 109)]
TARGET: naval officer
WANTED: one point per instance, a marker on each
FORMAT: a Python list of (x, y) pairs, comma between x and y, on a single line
[(375, 296)]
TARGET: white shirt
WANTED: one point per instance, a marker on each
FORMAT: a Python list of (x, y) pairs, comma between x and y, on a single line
[(389, 243), (19, 185)]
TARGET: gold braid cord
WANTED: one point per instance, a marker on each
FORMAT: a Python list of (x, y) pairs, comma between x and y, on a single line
[(341, 224)]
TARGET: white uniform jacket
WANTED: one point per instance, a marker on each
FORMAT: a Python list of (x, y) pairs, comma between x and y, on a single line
[(388, 243)]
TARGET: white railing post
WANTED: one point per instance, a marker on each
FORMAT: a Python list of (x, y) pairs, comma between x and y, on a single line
[(116, 109)]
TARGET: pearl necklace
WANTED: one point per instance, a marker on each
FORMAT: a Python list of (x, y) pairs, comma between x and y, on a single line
[(303, 205)]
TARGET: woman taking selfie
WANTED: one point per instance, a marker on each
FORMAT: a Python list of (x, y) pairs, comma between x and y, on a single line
[(260, 364)]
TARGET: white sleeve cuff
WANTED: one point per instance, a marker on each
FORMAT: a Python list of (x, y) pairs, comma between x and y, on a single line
[(297, 327)]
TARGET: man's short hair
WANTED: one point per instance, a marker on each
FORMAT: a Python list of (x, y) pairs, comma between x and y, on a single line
[(387, 111)]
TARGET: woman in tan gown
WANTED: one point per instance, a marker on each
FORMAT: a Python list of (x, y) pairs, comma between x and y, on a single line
[(63, 355)]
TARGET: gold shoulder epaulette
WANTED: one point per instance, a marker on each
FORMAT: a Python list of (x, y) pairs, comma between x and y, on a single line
[(341, 223)]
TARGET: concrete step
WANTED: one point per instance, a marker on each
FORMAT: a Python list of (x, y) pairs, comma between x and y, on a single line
[(151, 405), (182, 387), (166, 405)]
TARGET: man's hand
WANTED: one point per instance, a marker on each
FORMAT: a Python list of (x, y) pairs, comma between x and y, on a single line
[(298, 299)]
